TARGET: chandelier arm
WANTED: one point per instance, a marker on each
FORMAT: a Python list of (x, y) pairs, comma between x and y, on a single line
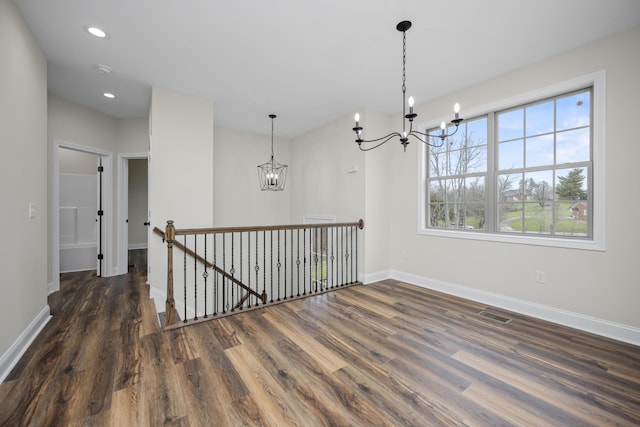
[(424, 138), (439, 135), (380, 141)]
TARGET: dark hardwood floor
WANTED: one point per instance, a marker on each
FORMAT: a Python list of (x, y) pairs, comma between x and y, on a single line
[(387, 354)]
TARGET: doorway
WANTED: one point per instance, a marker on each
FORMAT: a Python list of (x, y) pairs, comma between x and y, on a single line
[(81, 210), (133, 212)]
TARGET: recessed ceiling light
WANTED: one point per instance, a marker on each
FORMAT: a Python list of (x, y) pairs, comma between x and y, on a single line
[(109, 95), (97, 32)]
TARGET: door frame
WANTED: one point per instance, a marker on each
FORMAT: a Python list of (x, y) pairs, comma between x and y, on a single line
[(107, 206), (123, 210)]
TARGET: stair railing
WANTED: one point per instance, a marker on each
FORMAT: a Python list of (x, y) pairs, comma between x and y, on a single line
[(233, 269)]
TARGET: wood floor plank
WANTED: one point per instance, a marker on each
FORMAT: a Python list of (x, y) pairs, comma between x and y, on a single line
[(385, 354), (312, 347)]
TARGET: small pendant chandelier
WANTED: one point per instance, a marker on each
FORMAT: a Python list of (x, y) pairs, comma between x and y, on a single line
[(272, 175), (403, 27)]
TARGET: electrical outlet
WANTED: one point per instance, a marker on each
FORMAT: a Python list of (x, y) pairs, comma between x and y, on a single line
[(32, 210), (540, 276)]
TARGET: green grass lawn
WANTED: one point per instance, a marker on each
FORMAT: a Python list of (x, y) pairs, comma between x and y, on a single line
[(539, 220)]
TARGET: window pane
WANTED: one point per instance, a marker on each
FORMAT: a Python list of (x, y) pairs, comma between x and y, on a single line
[(573, 111), (476, 159), (510, 125), (539, 151), (571, 184), (510, 212), (509, 188), (573, 206), (477, 132), (511, 154), (573, 146), (437, 190), (456, 163), (437, 161), (475, 198), (539, 118)]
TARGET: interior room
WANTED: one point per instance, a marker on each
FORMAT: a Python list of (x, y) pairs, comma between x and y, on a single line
[(118, 117)]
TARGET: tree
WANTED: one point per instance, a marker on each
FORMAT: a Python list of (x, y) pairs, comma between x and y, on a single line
[(570, 186), (541, 192)]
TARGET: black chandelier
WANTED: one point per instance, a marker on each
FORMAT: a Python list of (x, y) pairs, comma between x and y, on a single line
[(404, 136), (272, 175)]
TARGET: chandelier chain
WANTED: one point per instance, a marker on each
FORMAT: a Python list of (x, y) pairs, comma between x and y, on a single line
[(404, 62), (272, 139)]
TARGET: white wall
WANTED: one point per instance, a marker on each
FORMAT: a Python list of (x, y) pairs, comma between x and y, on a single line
[(23, 164), (238, 200), (319, 179), (181, 170), (600, 285)]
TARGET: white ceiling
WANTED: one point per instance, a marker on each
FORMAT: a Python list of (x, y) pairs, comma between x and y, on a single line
[(308, 62)]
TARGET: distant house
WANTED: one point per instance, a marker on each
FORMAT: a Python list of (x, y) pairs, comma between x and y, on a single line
[(579, 210), (515, 195)]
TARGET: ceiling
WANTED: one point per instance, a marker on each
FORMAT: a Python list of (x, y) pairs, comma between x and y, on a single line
[(308, 62)]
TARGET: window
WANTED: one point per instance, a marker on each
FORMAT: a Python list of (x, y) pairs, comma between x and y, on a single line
[(520, 172)]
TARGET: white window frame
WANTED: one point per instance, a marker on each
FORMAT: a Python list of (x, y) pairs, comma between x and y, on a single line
[(597, 242)]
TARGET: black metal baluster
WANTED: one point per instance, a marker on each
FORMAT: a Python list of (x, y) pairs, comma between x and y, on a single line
[(291, 250), (278, 265), (257, 267), (232, 271), (356, 257), (216, 289), (225, 303), (343, 281), (304, 261), (195, 277), (264, 263), (285, 264), (298, 259), (184, 265), (271, 262), (240, 252), (314, 259), (205, 275), (249, 266)]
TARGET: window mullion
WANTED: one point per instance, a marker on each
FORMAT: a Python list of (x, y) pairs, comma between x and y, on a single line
[(491, 186)]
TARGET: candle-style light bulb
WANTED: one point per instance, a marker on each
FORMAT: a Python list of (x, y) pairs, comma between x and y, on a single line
[(456, 109), (443, 127), (357, 117), (410, 101)]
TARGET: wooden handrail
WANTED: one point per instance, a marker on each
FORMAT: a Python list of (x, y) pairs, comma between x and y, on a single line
[(182, 231), (262, 297)]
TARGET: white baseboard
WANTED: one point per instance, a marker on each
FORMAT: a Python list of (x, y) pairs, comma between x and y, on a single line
[(590, 324), (375, 277), (11, 357)]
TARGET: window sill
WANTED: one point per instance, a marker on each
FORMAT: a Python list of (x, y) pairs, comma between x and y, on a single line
[(531, 240)]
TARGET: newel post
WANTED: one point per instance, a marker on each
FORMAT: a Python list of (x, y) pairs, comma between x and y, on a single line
[(169, 236)]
